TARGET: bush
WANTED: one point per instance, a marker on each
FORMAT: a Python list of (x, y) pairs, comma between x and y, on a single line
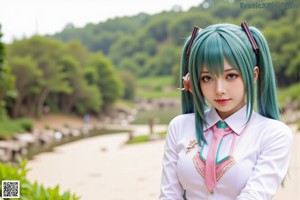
[(8, 128), (25, 124), (289, 93), (28, 190)]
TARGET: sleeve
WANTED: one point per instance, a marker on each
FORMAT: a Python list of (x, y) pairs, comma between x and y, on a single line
[(271, 166), (171, 188)]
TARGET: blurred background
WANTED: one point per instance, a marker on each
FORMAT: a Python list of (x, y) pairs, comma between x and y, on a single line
[(72, 67)]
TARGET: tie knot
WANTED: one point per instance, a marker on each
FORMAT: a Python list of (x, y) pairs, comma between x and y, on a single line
[(221, 124), (222, 127)]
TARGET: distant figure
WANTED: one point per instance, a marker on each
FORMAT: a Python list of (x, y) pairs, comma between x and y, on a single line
[(86, 126), (220, 148), (86, 119), (151, 124)]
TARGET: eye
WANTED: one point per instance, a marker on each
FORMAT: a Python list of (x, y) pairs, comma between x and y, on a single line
[(231, 76), (206, 79)]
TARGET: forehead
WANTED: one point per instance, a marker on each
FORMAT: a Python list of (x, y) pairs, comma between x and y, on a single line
[(227, 66)]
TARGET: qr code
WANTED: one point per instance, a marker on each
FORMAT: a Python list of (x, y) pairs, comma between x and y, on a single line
[(10, 189)]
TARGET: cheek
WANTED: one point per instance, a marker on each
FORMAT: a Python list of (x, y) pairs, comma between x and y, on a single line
[(239, 86), (206, 89)]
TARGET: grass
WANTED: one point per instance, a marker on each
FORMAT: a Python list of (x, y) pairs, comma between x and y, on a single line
[(139, 139), (157, 87), (145, 138), (160, 116)]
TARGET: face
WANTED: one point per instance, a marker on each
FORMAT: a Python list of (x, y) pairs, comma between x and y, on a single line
[(225, 92)]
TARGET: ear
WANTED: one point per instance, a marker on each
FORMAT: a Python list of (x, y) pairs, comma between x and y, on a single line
[(256, 72)]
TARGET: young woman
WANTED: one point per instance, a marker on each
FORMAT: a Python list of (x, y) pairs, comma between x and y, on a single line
[(220, 148)]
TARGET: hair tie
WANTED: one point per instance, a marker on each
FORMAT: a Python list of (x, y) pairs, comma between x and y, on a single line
[(248, 33), (194, 34), (186, 78)]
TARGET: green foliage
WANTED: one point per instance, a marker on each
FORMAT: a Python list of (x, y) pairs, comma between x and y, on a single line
[(64, 77), (74, 75), (44, 54), (162, 64), (145, 34), (157, 87), (100, 37), (109, 84), (157, 27), (122, 48), (181, 26), (139, 139), (25, 124), (290, 93), (145, 138), (129, 82), (28, 81), (1, 54), (160, 116), (8, 128), (28, 190), (7, 82), (71, 78)]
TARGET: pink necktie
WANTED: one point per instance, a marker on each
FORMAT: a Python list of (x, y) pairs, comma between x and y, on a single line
[(220, 130)]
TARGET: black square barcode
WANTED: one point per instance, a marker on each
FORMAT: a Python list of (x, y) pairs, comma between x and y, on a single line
[(10, 189)]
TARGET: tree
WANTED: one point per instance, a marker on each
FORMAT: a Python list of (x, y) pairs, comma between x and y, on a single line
[(28, 81), (46, 52), (163, 62), (78, 52), (6, 81), (129, 81), (82, 97), (109, 84), (124, 47)]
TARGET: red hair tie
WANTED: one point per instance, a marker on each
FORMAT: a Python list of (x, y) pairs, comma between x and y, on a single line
[(194, 34), (248, 33)]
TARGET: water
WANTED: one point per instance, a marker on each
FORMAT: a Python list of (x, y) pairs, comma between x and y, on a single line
[(40, 147)]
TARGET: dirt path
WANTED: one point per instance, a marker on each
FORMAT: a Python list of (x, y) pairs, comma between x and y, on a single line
[(104, 168)]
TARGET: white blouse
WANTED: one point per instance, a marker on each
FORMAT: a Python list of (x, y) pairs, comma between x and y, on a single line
[(261, 155)]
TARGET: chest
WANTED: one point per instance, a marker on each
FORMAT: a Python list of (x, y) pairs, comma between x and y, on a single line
[(235, 160)]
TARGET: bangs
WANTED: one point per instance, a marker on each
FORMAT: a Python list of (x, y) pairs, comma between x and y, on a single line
[(212, 52)]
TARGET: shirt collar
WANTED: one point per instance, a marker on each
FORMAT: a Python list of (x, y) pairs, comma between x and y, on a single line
[(236, 121)]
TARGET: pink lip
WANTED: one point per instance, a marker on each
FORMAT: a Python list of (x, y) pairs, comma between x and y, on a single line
[(222, 101)]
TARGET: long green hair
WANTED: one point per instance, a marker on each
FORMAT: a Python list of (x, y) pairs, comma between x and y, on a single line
[(226, 41)]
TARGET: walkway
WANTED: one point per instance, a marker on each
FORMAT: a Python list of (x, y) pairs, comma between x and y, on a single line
[(104, 168)]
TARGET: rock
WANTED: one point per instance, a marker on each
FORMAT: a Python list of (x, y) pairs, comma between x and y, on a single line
[(28, 138), (11, 150), (46, 137), (65, 132), (5, 151), (75, 132)]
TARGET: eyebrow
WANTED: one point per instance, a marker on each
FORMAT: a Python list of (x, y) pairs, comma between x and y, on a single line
[(226, 70)]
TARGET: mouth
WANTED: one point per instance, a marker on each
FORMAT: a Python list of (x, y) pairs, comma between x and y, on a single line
[(222, 101)]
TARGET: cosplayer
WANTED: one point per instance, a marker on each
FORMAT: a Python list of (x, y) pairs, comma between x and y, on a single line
[(220, 148)]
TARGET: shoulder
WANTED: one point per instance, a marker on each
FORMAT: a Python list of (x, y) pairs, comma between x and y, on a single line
[(183, 119), (184, 123), (272, 127)]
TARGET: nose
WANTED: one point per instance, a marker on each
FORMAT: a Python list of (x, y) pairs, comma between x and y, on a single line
[(220, 87)]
